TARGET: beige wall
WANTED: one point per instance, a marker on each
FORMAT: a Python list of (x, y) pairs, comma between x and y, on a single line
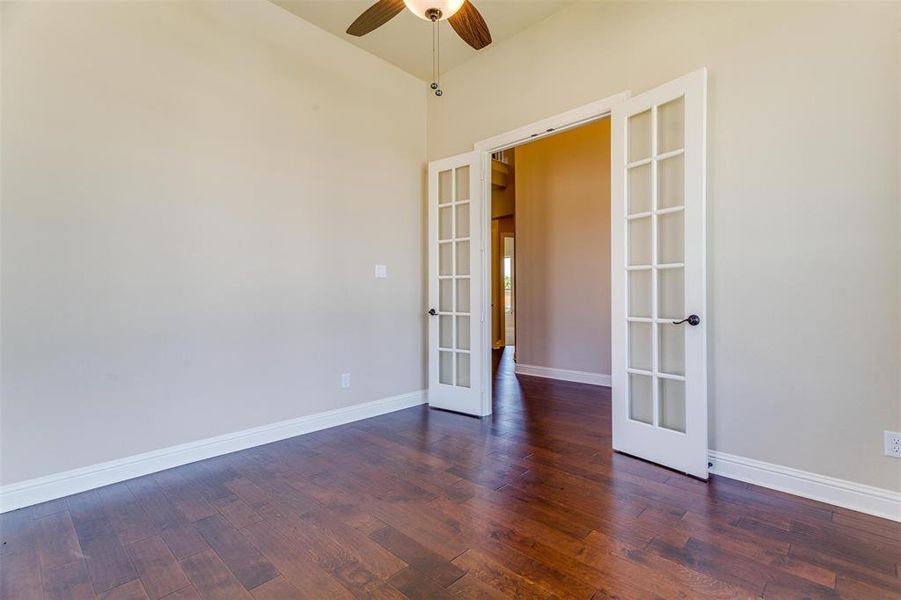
[(193, 198), (803, 240), (563, 250)]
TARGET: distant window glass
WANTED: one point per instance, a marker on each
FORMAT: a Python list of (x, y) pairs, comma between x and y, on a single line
[(508, 285)]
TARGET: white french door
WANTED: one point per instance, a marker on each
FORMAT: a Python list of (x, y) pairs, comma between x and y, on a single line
[(659, 275), (455, 262)]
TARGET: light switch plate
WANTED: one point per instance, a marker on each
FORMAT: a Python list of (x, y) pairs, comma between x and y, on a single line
[(381, 271)]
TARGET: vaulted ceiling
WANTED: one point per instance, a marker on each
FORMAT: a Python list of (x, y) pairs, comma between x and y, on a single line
[(406, 40)]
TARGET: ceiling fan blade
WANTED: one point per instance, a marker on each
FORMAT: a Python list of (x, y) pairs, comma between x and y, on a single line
[(470, 26), (375, 16)]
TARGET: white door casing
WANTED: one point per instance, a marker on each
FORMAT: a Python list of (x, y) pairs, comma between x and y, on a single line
[(455, 284), (658, 271)]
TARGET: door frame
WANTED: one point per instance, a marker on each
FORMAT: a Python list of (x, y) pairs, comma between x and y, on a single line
[(569, 119)]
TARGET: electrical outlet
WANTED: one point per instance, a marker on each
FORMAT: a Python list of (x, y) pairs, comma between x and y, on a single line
[(893, 444), (381, 271), (345, 380)]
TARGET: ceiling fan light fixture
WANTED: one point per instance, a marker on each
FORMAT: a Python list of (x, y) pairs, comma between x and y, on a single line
[(421, 8)]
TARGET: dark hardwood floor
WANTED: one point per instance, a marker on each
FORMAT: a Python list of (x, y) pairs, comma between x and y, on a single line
[(530, 503)]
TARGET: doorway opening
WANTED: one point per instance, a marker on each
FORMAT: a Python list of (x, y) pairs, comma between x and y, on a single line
[(550, 256), (657, 271), (502, 249)]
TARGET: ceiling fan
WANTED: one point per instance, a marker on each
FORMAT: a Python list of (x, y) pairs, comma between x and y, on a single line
[(461, 14)]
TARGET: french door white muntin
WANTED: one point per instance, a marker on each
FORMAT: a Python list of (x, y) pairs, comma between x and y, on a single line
[(658, 256), (455, 284)]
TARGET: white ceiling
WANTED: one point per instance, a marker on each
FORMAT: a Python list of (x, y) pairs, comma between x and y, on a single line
[(406, 40)]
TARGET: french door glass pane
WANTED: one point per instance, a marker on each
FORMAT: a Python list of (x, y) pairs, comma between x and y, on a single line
[(641, 402), (640, 136), (445, 223), (671, 126), (671, 349), (446, 331), (462, 184), (639, 234), (463, 369), (446, 367), (672, 404), (671, 293), (670, 234), (462, 220), (446, 295), (671, 181), (462, 258), (639, 189), (639, 293), (445, 187), (462, 333), (463, 295), (446, 259), (640, 346)]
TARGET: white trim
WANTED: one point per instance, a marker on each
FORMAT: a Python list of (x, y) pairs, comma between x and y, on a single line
[(51, 487), (551, 125), (847, 494), (530, 132), (564, 374)]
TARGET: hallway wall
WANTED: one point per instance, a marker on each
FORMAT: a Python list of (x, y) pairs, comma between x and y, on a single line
[(563, 250)]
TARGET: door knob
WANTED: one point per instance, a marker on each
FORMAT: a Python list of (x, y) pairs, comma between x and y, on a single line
[(692, 320), (433, 312)]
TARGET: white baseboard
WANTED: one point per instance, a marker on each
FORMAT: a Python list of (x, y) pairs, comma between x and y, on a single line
[(847, 494), (564, 374), (59, 485)]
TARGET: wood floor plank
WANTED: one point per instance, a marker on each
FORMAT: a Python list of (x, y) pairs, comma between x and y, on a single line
[(470, 587), (416, 555), (69, 581), (296, 563), (57, 542), (211, 578), (127, 516), (184, 541), (356, 543), (238, 513), (132, 590), (20, 563), (277, 589), (186, 593), (249, 566), (157, 567), (48, 508), (188, 499), (500, 577), (413, 583), (156, 504), (105, 558)]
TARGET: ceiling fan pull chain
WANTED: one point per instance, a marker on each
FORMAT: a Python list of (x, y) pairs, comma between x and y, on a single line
[(436, 48)]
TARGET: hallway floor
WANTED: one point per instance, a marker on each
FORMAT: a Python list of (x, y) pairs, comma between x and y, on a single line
[(529, 503)]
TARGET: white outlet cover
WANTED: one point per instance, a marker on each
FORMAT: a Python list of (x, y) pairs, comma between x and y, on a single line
[(345, 380), (381, 271), (893, 444)]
